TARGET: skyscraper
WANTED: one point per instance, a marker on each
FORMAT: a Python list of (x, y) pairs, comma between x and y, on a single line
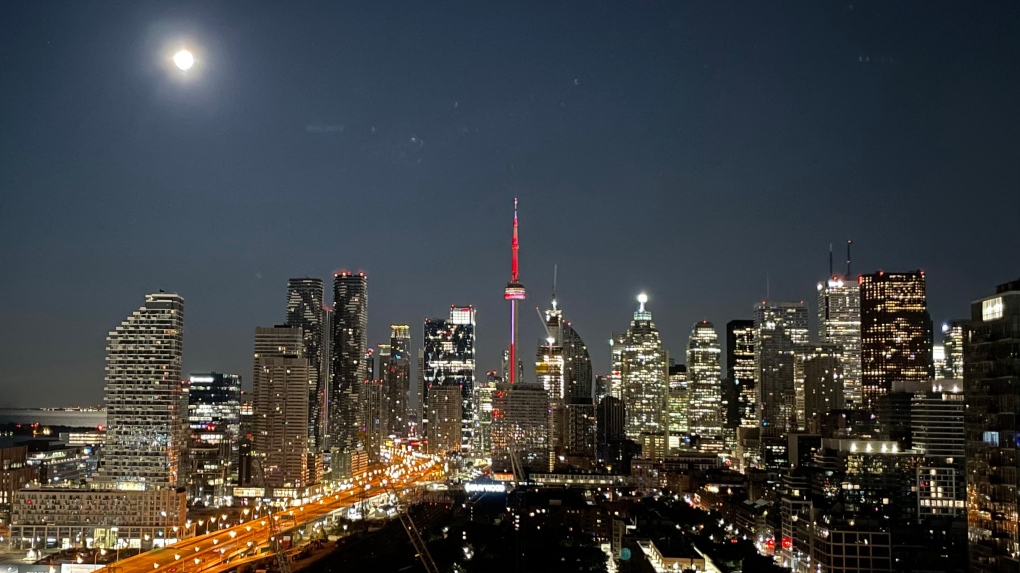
[(396, 375), (550, 370), (280, 379), (373, 416), (678, 406), (991, 373), (563, 368), (839, 323), (520, 425), (578, 366), (143, 396), (818, 382), (740, 373), (305, 310), (779, 326), (349, 370), (550, 373), (953, 334), (445, 420), (214, 422), (704, 414), (896, 337), (484, 393), (449, 360), (640, 366)]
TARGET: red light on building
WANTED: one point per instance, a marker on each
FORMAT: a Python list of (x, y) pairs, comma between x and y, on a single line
[(787, 543)]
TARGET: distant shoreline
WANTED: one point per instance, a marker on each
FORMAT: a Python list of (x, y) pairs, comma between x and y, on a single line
[(66, 409), (72, 417)]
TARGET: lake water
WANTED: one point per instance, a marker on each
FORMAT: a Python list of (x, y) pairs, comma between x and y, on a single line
[(53, 417)]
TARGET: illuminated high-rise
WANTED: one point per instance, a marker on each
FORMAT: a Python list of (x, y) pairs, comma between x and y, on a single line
[(704, 374), (484, 392), (563, 368), (305, 310), (640, 370), (740, 373), (839, 323), (349, 369), (143, 396), (373, 415), (677, 406), (778, 327), (550, 369), (953, 334), (520, 426), (449, 361), (280, 379), (214, 424), (818, 382), (395, 367), (992, 425), (896, 334)]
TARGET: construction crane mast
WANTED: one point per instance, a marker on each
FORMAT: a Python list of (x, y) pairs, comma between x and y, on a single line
[(420, 548)]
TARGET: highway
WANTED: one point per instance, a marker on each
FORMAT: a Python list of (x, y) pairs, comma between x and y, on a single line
[(226, 548)]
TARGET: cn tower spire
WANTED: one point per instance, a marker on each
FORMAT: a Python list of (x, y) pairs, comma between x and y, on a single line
[(514, 248), (514, 292)]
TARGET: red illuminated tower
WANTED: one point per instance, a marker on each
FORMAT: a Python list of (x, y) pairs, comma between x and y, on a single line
[(514, 292)]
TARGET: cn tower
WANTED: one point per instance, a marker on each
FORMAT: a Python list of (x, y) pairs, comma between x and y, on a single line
[(514, 292)]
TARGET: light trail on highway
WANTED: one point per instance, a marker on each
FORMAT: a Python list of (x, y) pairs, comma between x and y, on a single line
[(227, 548)]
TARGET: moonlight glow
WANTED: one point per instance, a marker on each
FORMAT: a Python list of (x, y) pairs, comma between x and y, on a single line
[(184, 60)]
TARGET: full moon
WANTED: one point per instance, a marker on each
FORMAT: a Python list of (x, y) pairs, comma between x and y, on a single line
[(184, 60)]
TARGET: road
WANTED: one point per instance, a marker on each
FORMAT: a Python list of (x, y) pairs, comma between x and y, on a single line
[(226, 548)]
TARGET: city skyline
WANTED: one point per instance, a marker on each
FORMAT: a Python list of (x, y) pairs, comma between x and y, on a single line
[(673, 346), (811, 115), (762, 310)]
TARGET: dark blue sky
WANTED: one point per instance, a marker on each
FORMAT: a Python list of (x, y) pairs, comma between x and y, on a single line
[(682, 148)]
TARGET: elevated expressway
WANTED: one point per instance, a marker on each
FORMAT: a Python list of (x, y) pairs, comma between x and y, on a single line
[(227, 548)]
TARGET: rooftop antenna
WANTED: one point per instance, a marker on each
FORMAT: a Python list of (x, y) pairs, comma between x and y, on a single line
[(830, 259), (848, 258), (768, 287), (555, 269)]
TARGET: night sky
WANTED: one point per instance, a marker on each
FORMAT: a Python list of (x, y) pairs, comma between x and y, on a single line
[(685, 149)]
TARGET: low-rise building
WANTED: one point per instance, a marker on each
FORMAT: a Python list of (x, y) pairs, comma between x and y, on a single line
[(59, 517)]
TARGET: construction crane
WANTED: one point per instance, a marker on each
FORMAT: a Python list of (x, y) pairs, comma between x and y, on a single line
[(272, 518), (417, 540)]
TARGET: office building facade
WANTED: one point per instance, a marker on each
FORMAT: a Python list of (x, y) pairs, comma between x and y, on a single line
[(449, 361), (953, 334), (214, 425), (396, 376), (740, 372), (839, 323), (639, 375), (778, 328), (896, 337), (704, 372), (818, 383)]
